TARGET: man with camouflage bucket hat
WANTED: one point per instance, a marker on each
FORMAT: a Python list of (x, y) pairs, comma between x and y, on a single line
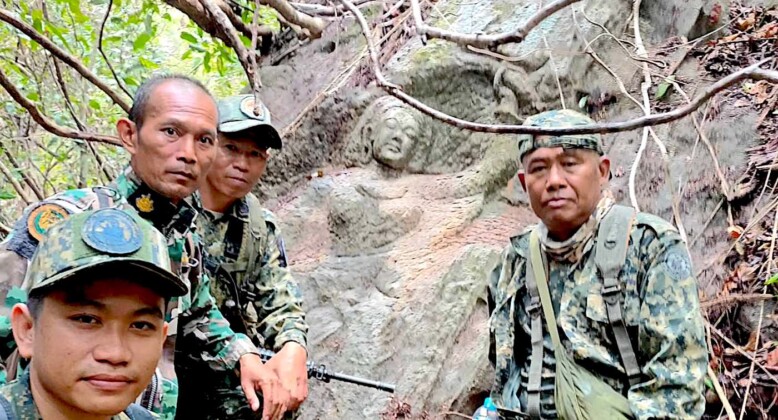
[(93, 326), (617, 284), (245, 257)]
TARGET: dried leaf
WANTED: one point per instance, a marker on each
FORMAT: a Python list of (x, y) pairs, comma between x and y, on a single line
[(747, 23), (741, 103), (772, 358), (735, 231)]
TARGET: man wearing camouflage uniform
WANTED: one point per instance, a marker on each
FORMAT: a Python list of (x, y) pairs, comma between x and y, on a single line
[(638, 329), (172, 143), (246, 260), (93, 326)]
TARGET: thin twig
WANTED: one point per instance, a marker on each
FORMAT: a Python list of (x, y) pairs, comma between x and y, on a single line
[(735, 299), (741, 351), (721, 393), (707, 222), (105, 57), (483, 40), (761, 317), (14, 183), (70, 60), (47, 123), (257, 85), (556, 73), (36, 189)]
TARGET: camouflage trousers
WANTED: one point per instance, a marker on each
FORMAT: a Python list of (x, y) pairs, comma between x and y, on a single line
[(215, 395)]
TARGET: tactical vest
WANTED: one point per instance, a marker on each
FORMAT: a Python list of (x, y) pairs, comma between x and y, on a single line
[(233, 275), (612, 242)]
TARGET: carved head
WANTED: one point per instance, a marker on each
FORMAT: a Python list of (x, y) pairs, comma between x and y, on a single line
[(395, 132)]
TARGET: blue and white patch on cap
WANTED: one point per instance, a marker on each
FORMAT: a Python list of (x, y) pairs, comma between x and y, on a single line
[(112, 231)]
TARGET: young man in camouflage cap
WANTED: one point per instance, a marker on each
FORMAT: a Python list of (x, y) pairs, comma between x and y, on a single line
[(171, 137), (621, 286), (245, 257), (93, 325)]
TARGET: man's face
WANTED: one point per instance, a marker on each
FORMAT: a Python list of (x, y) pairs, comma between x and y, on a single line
[(94, 351), (564, 186), (396, 138), (176, 143), (239, 164)]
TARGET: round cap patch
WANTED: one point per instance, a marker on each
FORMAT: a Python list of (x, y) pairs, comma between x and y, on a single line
[(247, 107), (43, 217), (112, 231), (678, 265)]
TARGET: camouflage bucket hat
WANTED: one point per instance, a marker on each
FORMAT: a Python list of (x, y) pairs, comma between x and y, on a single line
[(559, 118), (104, 238), (236, 114)]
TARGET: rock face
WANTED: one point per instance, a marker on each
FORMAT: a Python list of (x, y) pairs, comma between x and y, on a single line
[(394, 243)]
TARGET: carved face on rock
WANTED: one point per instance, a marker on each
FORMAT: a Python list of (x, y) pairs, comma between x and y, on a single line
[(396, 134)]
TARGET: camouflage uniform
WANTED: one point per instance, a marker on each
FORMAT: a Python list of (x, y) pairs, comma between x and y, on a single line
[(194, 317), (246, 260), (107, 237), (658, 299)]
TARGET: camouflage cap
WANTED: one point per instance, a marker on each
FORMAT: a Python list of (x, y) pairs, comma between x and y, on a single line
[(236, 113), (559, 118), (104, 238)]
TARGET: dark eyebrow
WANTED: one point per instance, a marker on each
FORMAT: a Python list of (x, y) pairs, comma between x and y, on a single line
[(82, 301), (150, 310)]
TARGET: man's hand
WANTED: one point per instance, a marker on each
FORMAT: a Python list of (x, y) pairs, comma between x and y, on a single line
[(289, 365), (254, 375)]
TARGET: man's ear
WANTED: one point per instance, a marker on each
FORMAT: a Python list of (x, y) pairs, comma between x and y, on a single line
[(22, 325), (128, 134), (605, 169), (523, 182)]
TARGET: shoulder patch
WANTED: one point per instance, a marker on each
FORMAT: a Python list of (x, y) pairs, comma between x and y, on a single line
[(677, 264), (44, 217)]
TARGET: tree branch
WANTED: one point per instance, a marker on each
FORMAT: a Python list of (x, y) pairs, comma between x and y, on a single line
[(48, 124), (752, 72), (105, 57), (314, 25), (46, 43), (27, 180), (483, 40), (320, 10), (228, 30), (195, 11), (14, 183)]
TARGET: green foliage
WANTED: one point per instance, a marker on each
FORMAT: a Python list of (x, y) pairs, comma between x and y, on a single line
[(140, 37)]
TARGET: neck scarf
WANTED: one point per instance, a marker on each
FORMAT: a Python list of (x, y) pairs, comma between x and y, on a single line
[(572, 249)]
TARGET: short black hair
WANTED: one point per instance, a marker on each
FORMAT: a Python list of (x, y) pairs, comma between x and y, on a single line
[(143, 94)]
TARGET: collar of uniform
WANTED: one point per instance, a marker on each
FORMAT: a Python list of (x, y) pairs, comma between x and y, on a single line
[(22, 397), (155, 207), (238, 210)]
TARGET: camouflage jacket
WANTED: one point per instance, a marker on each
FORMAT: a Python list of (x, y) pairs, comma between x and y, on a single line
[(661, 310), (18, 395), (246, 259), (194, 316)]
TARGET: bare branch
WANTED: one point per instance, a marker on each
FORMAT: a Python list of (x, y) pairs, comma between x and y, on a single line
[(320, 10), (48, 124), (313, 24), (27, 180), (14, 183), (64, 89), (228, 30), (255, 59), (195, 11), (488, 41), (751, 72), (105, 57)]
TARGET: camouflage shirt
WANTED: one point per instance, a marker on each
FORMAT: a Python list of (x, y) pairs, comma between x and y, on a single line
[(194, 315), (661, 310), (19, 397), (245, 257)]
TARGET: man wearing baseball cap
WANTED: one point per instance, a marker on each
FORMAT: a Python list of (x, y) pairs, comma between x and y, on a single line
[(246, 260), (93, 326)]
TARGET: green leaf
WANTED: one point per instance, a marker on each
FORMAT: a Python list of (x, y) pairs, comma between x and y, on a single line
[(131, 81), (94, 104), (709, 383), (141, 42), (186, 36), (7, 195), (148, 63), (33, 96), (37, 20), (186, 55), (661, 91), (198, 48), (167, 17), (772, 280), (75, 7), (582, 103)]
